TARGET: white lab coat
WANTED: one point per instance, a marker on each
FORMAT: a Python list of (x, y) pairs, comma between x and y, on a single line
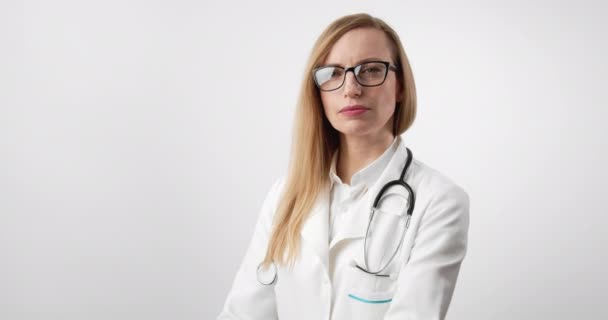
[(422, 275)]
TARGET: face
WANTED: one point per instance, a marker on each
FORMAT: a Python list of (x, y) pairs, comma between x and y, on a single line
[(378, 102)]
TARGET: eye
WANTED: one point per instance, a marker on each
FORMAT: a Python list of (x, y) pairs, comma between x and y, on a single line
[(336, 72), (371, 70)]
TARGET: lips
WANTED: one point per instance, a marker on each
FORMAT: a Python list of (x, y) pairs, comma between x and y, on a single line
[(353, 108)]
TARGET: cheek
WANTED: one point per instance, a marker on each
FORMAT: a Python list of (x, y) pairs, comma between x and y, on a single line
[(329, 105), (389, 98), (388, 104), (384, 101)]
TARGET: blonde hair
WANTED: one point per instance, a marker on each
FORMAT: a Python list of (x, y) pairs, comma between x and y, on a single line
[(315, 140)]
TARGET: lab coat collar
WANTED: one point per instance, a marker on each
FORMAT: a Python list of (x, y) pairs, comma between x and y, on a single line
[(365, 177)]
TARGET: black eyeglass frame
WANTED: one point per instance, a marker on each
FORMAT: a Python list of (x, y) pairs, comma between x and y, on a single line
[(388, 66)]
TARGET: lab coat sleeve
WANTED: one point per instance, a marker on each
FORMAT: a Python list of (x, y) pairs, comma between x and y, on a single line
[(248, 299), (427, 280)]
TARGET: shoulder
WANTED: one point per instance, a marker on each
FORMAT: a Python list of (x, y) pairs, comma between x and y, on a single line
[(274, 193), (431, 183), (277, 187), (438, 197)]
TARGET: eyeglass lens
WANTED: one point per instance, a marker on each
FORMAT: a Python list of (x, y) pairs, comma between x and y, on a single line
[(367, 74)]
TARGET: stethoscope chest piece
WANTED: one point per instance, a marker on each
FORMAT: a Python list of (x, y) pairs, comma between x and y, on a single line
[(268, 275)]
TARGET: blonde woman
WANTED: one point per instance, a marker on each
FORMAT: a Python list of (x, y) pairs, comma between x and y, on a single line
[(358, 228)]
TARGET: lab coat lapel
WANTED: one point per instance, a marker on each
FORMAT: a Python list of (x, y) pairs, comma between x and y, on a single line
[(315, 229), (355, 223)]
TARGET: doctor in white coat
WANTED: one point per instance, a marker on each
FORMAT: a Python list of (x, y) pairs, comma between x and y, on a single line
[(312, 250)]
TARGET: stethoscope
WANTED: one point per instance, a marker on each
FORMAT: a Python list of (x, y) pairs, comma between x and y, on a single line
[(270, 277)]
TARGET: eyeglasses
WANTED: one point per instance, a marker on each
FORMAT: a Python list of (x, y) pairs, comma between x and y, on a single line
[(368, 74)]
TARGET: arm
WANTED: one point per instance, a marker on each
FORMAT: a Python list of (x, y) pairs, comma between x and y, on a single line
[(248, 299), (427, 280)]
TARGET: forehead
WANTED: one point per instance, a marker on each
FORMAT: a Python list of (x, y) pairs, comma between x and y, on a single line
[(359, 44)]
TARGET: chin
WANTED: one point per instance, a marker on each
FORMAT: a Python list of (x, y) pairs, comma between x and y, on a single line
[(356, 130)]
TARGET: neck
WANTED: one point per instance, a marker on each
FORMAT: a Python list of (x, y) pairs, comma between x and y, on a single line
[(356, 152)]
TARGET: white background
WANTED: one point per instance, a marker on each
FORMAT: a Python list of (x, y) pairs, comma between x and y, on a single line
[(139, 138)]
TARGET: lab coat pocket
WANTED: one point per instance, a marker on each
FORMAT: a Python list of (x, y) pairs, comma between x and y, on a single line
[(371, 297), (369, 287), (367, 296)]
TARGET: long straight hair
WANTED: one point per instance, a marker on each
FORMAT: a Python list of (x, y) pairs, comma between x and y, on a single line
[(315, 140)]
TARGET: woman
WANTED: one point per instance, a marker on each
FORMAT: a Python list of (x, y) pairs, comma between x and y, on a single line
[(315, 252)]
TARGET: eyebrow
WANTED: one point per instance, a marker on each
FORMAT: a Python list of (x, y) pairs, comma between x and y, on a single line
[(356, 63)]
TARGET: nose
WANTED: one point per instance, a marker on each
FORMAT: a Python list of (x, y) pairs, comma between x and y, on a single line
[(351, 86)]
